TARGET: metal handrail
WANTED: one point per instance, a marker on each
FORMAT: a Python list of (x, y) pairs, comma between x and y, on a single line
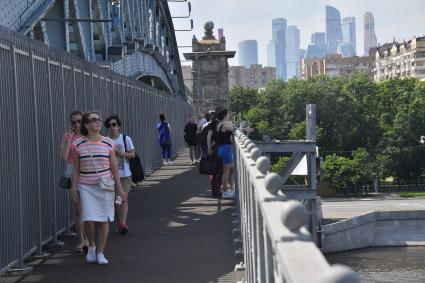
[(277, 246)]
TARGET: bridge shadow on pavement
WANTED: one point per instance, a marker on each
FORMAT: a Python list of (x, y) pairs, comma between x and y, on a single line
[(178, 233)]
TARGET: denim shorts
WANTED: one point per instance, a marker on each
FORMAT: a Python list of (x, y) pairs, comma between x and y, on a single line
[(225, 152)]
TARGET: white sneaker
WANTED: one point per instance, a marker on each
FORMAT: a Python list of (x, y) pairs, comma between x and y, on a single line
[(164, 162), (91, 254), (193, 162), (228, 194), (101, 259)]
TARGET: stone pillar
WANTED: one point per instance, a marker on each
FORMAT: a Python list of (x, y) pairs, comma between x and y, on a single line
[(210, 71)]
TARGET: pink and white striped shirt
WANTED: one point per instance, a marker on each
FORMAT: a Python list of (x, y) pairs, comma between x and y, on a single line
[(101, 151)]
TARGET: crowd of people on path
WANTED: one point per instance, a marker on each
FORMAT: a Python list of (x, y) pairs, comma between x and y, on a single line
[(210, 144), (100, 170)]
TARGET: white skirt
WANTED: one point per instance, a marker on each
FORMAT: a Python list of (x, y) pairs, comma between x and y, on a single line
[(97, 204)]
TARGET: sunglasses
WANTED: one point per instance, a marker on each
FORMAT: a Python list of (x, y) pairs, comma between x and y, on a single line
[(93, 120), (112, 125), (76, 122)]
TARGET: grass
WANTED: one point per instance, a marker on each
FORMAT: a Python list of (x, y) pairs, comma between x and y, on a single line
[(412, 194)]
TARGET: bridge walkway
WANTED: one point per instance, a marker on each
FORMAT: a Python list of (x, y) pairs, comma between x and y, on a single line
[(178, 233)]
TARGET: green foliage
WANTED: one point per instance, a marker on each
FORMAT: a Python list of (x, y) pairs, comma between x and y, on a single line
[(363, 127), (242, 99), (281, 162)]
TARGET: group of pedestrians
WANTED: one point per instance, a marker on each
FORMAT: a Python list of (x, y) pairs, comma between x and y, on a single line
[(212, 136), (100, 177)]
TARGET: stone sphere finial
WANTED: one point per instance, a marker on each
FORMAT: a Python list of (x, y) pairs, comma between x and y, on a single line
[(263, 164), (255, 153), (293, 215), (273, 183), (209, 26)]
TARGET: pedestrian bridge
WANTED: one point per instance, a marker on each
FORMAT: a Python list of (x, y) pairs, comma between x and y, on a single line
[(178, 232)]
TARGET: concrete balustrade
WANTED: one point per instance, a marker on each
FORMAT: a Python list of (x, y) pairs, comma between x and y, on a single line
[(277, 246)]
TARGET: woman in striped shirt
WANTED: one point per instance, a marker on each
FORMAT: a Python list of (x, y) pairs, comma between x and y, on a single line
[(94, 160)]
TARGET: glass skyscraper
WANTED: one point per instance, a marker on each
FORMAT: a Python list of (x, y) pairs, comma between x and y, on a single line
[(370, 39), (293, 52), (333, 29), (271, 54), (349, 46), (279, 38), (248, 53), (318, 47)]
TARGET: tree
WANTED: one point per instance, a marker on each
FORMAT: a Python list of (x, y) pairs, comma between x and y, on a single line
[(242, 99)]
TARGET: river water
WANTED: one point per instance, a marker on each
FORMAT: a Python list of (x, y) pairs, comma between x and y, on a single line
[(382, 265)]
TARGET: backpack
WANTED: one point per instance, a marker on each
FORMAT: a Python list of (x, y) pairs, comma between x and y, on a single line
[(164, 134), (136, 168)]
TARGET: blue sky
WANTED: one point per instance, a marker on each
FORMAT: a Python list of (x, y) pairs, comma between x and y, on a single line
[(251, 19)]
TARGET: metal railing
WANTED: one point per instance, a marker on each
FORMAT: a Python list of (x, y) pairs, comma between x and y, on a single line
[(39, 87), (277, 247)]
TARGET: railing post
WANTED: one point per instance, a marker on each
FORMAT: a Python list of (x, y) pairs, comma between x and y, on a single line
[(55, 240), (312, 174), (21, 266), (40, 252)]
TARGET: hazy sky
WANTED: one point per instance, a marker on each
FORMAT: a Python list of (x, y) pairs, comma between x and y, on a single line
[(251, 19)]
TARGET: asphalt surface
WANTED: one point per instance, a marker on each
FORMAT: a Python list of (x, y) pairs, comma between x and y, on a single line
[(177, 234), (350, 208)]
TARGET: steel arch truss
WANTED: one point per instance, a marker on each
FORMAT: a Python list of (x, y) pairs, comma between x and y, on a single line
[(132, 37)]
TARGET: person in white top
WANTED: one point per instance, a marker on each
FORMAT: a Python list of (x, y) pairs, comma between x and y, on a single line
[(123, 152)]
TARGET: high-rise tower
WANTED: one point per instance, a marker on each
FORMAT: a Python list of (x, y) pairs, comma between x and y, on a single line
[(349, 36), (293, 52), (370, 39), (279, 37), (333, 29), (248, 53)]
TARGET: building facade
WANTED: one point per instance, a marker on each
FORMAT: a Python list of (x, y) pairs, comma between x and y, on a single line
[(349, 41), (400, 60), (271, 54), (333, 29), (220, 33), (256, 76), (318, 47), (370, 40), (293, 67), (336, 66), (248, 53), (210, 71), (279, 38)]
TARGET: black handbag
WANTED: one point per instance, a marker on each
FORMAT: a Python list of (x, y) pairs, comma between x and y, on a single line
[(65, 182), (136, 168), (210, 165)]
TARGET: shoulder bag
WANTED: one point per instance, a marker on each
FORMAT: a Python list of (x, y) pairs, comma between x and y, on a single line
[(105, 184)]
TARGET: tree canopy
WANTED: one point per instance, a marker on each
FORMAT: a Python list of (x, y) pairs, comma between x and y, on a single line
[(359, 122)]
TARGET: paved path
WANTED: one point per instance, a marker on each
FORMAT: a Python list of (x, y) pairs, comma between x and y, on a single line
[(352, 208), (177, 234)]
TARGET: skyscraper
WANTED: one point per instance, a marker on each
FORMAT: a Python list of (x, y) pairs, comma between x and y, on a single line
[(318, 38), (318, 47), (333, 29), (248, 53), (370, 39), (349, 37), (279, 37), (271, 53), (220, 33), (293, 52)]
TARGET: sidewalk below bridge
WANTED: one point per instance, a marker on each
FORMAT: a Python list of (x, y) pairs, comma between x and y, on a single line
[(178, 233)]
